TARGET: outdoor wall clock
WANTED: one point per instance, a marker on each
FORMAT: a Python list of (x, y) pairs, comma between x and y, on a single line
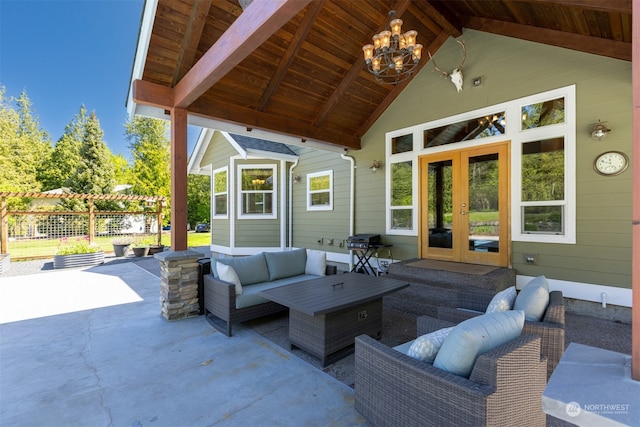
[(611, 163)]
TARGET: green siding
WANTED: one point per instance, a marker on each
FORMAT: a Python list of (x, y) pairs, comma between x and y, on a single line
[(512, 69), (311, 226)]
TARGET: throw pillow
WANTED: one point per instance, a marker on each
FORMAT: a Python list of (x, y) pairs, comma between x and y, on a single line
[(316, 262), (502, 301), (426, 347), (286, 263), (475, 336), (533, 299), (228, 274)]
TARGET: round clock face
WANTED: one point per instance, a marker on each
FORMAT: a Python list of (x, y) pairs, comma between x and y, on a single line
[(611, 163)]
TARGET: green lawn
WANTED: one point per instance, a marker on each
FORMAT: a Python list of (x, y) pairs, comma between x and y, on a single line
[(46, 248)]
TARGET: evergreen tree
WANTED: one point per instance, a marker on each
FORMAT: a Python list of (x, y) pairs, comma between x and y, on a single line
[(95, 173), (23, 145)]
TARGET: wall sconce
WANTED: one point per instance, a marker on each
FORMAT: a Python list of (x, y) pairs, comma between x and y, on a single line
[(600, 131), (296, 178), (375, 166)]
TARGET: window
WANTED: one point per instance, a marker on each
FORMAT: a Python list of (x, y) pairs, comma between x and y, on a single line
[(257, 191), (544, 113), (466, 130), (320, 191), (542, 186), (402, 144), (401, 196), (220, 192)]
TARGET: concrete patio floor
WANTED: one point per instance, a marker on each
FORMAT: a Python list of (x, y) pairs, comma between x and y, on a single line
[(86, 361)]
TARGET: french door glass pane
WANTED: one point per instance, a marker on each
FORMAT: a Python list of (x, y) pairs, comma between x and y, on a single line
[(483, 210), (440, 204)]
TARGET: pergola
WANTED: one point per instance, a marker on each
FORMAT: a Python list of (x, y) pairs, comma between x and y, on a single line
[(294, 68)]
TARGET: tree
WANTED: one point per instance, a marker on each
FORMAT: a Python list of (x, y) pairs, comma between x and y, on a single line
[(198, 199), (23, 146), (95, 173), (150, 148)]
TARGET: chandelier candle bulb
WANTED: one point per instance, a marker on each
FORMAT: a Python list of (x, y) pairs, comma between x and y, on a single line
[(396, 27)]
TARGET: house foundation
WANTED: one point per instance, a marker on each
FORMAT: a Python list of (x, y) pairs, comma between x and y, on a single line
[(179, 284)]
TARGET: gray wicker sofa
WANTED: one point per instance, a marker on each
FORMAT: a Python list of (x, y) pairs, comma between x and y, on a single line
[(504, 388), (224, 305)]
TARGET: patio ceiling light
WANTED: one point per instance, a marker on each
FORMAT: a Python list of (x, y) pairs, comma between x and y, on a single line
[(393, 56)]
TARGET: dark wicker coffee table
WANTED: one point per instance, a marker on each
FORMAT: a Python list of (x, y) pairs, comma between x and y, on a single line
[(326, 314)]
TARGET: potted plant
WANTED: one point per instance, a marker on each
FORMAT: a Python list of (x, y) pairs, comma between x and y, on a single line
[(77, 252), (155, 248), (121, 246), (141, 248)]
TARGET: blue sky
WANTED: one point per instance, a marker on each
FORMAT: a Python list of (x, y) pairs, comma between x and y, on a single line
[(68, 53)]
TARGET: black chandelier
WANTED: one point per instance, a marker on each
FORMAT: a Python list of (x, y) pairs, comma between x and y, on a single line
[(393, 56)]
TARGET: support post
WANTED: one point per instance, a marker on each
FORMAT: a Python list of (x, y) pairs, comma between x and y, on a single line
[(178, 179), (4, 227), (92, 221)]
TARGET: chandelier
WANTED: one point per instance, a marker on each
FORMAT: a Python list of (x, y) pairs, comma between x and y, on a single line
[(393, 56)]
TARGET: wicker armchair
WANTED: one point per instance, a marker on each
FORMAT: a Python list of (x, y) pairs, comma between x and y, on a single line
[(505, 386), (551, 329)]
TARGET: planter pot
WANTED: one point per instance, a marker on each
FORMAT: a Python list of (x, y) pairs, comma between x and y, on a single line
[(141, 251), (78, 260), (120, 250), (154, 249), (5, 262)]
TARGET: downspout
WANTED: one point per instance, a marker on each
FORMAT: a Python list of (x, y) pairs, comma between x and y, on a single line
[(351, 200), (291, 203)]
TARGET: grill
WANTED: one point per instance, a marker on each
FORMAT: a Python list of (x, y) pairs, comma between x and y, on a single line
[(362, 242)]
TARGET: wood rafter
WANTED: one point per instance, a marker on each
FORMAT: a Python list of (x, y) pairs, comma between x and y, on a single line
[(289, 55), (581, 43), (434, 46), (400, 7), (255, 25), (192, 35), (616, 6), (274, 122)]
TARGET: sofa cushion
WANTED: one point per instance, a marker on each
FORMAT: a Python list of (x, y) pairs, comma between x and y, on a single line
[(426, 347), (251, 294), (533, 299), (286, 263), (316, 262), (226, 273), (475, 336), (250, 269), (503, 300)]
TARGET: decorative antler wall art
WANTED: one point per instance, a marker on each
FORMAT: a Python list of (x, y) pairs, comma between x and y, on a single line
[(456, 74)]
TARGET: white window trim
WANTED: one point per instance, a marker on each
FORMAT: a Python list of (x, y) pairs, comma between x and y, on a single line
[(512, 133), (224, 169), (328, 207), (274, 198)]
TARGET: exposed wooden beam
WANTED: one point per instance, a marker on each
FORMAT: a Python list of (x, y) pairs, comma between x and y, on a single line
[(191, 39), (272, 122), (400, 7), (635, 190), (619, 6), (595, 45), (153, 94), (453, 28), (289, 55), (255, 25), (433, 47)]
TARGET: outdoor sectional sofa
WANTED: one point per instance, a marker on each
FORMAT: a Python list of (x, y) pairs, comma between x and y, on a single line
[(232, 290)]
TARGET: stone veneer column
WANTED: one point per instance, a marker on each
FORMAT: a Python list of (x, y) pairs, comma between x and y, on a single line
[(179, 283)]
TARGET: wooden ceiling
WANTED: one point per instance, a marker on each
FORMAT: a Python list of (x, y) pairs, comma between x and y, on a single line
[(302, 74)]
